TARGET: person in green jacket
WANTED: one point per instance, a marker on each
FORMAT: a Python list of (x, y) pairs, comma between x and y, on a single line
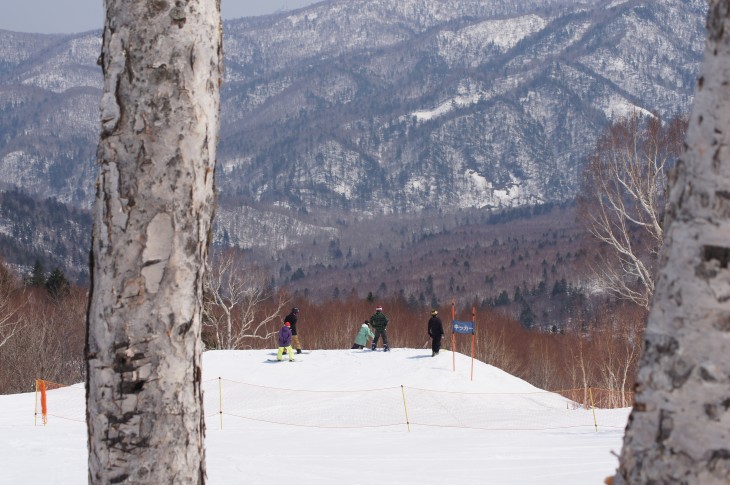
[(379, 321), (361, 340)]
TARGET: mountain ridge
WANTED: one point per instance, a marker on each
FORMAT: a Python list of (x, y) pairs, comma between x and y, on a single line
[(376, 107)]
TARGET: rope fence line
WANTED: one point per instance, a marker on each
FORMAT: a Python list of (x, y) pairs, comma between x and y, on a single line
[(247, 404), (311, 426), (67, 419), (302, 390)]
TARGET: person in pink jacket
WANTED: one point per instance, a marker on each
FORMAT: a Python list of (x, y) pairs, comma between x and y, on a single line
[(285, 343)]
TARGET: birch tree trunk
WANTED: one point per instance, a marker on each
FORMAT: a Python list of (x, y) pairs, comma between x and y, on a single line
[(154, 203), (679, 429)]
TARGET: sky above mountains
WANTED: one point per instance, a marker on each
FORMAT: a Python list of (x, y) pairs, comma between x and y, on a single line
[(72, 16)]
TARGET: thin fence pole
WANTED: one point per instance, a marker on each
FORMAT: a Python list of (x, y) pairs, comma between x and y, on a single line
[(453, 339), (473, 331), (593, 407), (403, 391), (220, 401), (35, 416), (472, 357)]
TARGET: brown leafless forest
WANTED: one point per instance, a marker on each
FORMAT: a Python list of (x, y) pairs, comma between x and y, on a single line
[(45, 337), (41, 334)]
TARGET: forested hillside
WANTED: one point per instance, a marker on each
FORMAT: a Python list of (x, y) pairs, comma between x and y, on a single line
[(366, 108)]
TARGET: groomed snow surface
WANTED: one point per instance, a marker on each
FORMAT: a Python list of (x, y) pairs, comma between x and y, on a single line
[(338, 417)]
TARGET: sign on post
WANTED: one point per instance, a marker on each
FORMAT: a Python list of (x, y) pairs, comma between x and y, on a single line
[(462, 327)]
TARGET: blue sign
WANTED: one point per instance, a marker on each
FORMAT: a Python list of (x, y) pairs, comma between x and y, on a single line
[(462, 327)]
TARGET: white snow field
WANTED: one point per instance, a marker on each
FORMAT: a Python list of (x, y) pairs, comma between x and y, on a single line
[(339, 417)]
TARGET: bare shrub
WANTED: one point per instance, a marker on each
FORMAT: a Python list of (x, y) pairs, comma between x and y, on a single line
[(622, 200), (239, 307), (49, 344)]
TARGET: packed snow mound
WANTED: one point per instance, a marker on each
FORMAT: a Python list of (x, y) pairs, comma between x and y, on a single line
[(332, 413), (352, 370), (366, 389)]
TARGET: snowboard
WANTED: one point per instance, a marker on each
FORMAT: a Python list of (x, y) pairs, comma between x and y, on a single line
[(283, 360)]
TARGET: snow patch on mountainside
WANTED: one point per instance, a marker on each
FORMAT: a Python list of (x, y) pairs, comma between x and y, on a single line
[(19, 168), (618, 107), (616, 3), (467, 95), (477, 44), (507, 33), (247, 227), (61, 72)]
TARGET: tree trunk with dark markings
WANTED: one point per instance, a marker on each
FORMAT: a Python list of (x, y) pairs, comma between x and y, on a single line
[(152, 218), (679, 429)]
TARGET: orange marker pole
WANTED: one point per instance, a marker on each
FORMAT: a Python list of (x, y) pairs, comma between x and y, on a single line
[(44, 403)]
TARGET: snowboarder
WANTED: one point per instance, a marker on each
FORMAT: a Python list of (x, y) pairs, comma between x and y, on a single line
[(379, 321), (361, 340), (292, 319), (436, 332), (285, 339)]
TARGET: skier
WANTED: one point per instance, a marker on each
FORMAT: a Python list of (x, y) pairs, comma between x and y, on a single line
[(292, 319), (436, 332), (285, 338), (361, 340), (379, 321)]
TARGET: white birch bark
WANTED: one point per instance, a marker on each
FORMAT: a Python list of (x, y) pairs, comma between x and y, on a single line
[(154, 203), (679, 429)]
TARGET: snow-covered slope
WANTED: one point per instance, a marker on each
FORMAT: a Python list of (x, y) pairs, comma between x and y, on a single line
[(338, 417)]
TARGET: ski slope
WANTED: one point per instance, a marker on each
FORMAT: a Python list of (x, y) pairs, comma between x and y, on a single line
[(339, 416)]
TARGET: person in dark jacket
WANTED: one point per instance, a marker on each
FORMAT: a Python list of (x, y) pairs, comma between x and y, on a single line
[(292, 319), (379, 321), (436, 332), (362, 337), (285, 338)]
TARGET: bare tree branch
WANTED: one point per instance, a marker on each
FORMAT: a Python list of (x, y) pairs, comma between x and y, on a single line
[(239, 306), (11, 301), (622, 201)]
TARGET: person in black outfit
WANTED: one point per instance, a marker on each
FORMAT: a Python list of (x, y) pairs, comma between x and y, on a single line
[(436, 332), (292, 319)]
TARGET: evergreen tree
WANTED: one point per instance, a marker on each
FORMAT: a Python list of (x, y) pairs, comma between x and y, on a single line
[(560, 287), (37, 276), (502, 299), (527, 317), (57, 285)]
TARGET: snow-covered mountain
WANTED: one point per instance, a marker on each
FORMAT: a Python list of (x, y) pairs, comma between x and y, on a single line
[(377, 106)]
